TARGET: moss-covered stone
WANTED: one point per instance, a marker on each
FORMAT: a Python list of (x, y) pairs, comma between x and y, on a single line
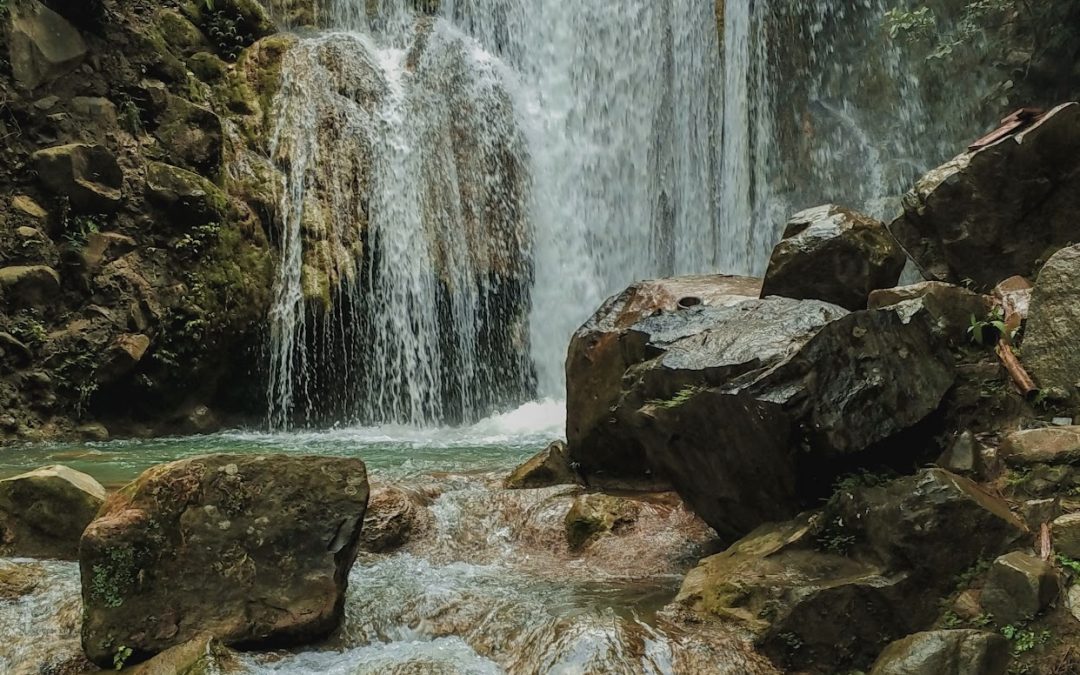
[(179, 33), (595, 514), (187, 197)]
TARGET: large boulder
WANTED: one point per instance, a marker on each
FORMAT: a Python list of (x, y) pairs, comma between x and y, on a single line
[(833, 254), (602, 351), (42, 45), (997, 211), (88, 175), (828, 591), (722, 402), (1051, 350), (253, 549), (945, 652), (43, 513)]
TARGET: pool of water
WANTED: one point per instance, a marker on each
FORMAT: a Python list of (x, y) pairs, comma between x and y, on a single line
[(490, 587)]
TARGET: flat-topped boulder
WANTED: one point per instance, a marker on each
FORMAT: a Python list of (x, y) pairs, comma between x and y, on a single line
[(43, 512), (997, 211), (1049, 445), (834, 254), (252, 549), (29, 286), (88, 175)]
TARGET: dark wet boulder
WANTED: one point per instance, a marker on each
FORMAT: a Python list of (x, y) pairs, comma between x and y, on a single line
[(1051, 347), (253, 549), (725, 402), (1000, 210), (833, 254), (945, 652), (550, 466), (44, 512), (605, 348), (949, 308), (826, 592)]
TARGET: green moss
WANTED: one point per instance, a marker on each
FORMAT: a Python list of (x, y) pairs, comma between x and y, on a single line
[(683, 395), (113, 578)]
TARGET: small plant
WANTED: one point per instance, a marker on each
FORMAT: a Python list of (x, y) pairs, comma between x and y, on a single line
[(792, 641), (225, 30), (199, 238), (1024, 639), (28, 328), (683, 395), (131, 116), (1069, 563), (986, 332), (121, 656)]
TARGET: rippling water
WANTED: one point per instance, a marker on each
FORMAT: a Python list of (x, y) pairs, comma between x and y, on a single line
[(490, 587)]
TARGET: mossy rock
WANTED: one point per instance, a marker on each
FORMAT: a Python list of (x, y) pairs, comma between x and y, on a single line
[(593, 515), (187, 198), (192, 135), (180, 33)]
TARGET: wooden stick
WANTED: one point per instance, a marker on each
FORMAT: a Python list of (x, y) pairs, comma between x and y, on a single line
[(1045, 546), (1016, 371)]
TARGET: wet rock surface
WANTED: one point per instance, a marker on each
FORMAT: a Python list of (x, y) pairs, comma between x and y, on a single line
[(551, 466), (833, 254), (269, 538), (946, 652)]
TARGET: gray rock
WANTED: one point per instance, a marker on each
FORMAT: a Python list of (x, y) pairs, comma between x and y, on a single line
[(42, 44), (833, 254), (29, 286), (945, 652), (997, 212), (1051, 350), (963, 456), (1019, 587), (44, 512), (88, 175)]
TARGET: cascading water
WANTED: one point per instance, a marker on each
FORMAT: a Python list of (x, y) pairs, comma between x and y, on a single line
[(462, 190)]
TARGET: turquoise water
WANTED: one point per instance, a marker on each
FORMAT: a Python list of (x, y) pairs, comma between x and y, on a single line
[(490, 586)]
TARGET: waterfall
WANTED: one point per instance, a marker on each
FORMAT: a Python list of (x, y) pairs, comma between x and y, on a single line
[(462, 189)]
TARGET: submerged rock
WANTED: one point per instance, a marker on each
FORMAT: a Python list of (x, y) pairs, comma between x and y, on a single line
[(875, 563), (202, 655), (253, 549), (833, 254), (945, 652), (1051, 348), (44, 512), (595, 514), (394, 516), (1000, 210), (550, 466)]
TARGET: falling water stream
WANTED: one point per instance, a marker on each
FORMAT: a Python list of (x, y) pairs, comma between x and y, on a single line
[(458, 193)]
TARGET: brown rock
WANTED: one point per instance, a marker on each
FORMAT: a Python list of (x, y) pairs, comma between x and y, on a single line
[(1051, 445), (394, 516), (29, 286), (44, 512), (88, 175), (1019, 587), (551, 466)]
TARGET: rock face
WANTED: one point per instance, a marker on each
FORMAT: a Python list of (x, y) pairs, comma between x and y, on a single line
[(1019, 587), (253, 549), (945, 652), (43, 45), (833, 254), (44, 512), (717, 400), (996, 212), (828, 592), (1050, 346), (550, 466), (88, 175), (604, 349)]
